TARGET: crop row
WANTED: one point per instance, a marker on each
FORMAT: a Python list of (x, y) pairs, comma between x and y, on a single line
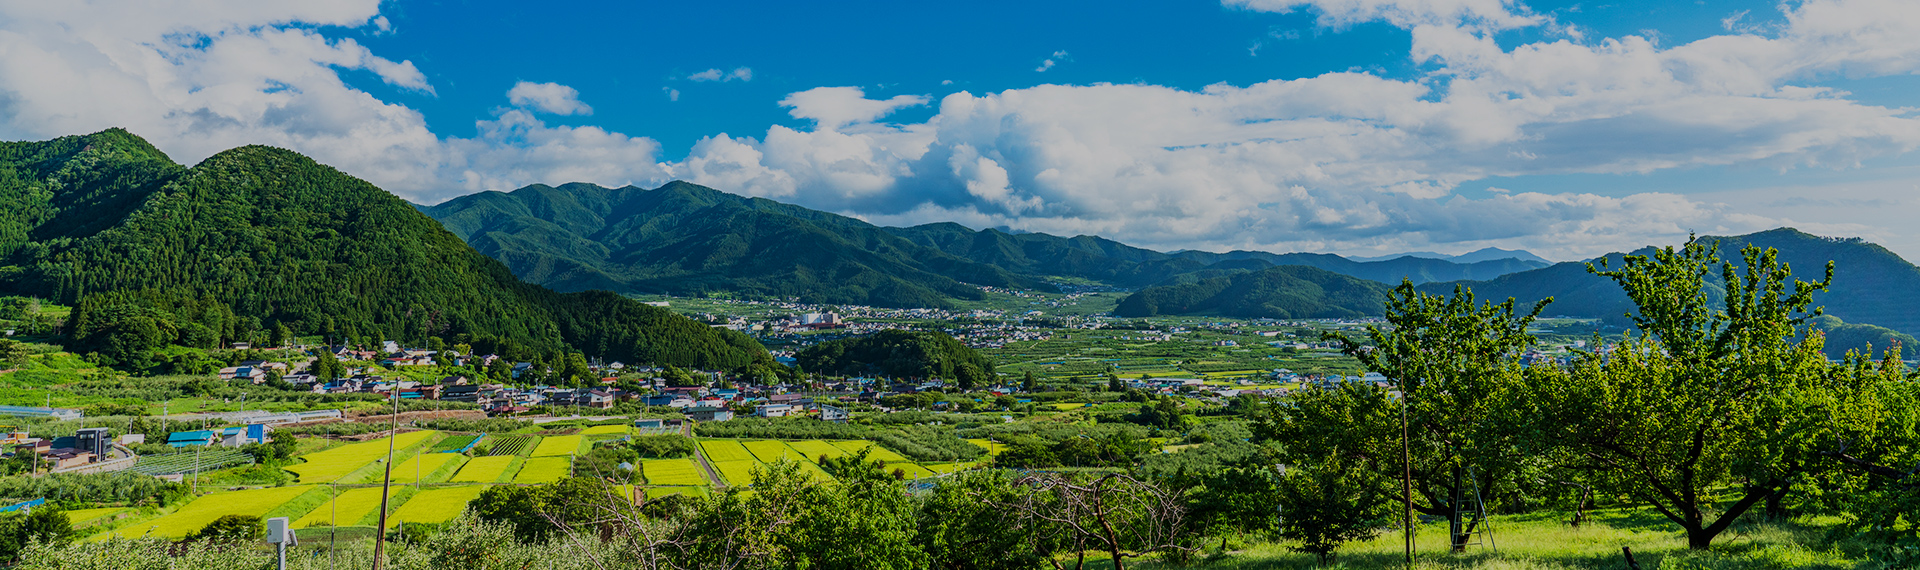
[(189, 462), (515, 445)]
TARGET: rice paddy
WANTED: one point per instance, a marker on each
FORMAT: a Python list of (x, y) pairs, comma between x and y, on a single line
[(331, 465), (485, 469), (672, 472), (196, 514), (544, 470), (725, 450), (437, 505), (346, 509), (607, 430), (558, 445)]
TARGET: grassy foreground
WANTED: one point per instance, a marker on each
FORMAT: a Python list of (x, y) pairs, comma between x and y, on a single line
[(1545, 542)]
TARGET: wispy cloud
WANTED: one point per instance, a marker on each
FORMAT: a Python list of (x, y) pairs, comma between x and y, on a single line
[(1057, 58), (739, 73)]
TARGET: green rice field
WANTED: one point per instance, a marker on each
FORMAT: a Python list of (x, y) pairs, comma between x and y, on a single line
[(515, 445), (814, 449), (544, 470), (330, 465), (725, 450), (84, 516), (772, 451), (607, 430), (485, 469), (437, 505), (558, 445), (346, 509), (672, 472), (879, 453), (658, 492), (738, 473), (423, 467), (203, 510)]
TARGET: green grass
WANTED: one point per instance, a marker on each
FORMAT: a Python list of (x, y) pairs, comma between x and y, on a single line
[(195, 515), (1543, 541), (331, 465), (487, 469), (725, 450), (544, 470), (737, 473), (437, 505), (673, 472), (558, 445), (352, 506)]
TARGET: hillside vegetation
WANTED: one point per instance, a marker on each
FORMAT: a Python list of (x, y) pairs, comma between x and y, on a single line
[(1285, 292), (259, 242)]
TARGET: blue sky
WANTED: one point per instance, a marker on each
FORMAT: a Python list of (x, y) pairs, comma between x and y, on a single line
[(1352, 126)]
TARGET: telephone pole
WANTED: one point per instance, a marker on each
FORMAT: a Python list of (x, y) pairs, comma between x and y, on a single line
[(386, 485)]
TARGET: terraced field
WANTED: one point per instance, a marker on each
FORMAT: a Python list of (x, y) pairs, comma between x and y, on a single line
[(437, 505), (607, 430), (423, 468), (454, 443), (203, 510), (488, 469), (725, 450), (814, 449), (992, 447), (84, 516), (673, 472), (346, 509), (772, 451), (737, 473), (330, 465), (544, 470), (558, 445), (515, 445), (879, 453)]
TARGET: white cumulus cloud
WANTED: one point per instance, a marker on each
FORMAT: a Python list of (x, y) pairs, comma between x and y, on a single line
[(548, 97)]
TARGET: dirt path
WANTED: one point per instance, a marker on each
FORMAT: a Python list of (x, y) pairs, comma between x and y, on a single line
[(700, 456)]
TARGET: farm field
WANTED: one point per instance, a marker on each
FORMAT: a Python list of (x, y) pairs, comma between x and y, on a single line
[(203, 510), (485, 469), (352, 506), (330, 465), (737, 473), (658, 492), (992, 447), (544, 470), (672, 472), (607, 430), (772, 451), (454, 443), (558, 445), (437, 505), (84, 516), (515, 445), (814, 449), (879, 453), (423, 466), (912, 470), (725, 450)]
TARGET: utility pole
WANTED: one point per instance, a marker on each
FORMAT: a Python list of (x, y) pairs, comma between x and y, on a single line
[(380, 537), (1406, 474)]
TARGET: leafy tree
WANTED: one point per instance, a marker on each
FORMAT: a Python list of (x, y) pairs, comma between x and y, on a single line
[(47, 524), (1115, 384), (325, 366), (962, 527), (13, 352), (1324, 504), (1454, 361), (1714, 400), (1028, 383), (230, 529)]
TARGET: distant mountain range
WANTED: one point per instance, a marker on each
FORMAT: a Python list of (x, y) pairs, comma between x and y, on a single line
[(1486, 254), (685, 239)]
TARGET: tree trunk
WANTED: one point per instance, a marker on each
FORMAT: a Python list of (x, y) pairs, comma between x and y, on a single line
[(1700, 538), (1776, 509)]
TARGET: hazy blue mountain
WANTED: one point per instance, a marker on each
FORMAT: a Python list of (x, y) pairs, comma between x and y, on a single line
[(1283, 292)]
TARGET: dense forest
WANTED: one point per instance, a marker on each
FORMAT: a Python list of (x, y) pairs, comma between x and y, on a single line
[(258, 243), (1285, 292), (900, 354)]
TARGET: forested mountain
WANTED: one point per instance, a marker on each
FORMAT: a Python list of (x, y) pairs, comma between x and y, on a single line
[(900, 354), (1871, 285), (261, 239), (685, 239), (1283, 292)]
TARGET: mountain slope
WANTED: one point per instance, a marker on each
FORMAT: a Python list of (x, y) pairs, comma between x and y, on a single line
[(256, 238), (1871, 285), (686, 239), (1284, 292)]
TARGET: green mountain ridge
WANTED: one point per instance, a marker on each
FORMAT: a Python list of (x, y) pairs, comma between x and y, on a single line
[(257, 238), (686, 239), (1282, 292)]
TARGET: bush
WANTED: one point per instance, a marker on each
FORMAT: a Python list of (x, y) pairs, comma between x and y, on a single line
[(230, 529), (662, 446)]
